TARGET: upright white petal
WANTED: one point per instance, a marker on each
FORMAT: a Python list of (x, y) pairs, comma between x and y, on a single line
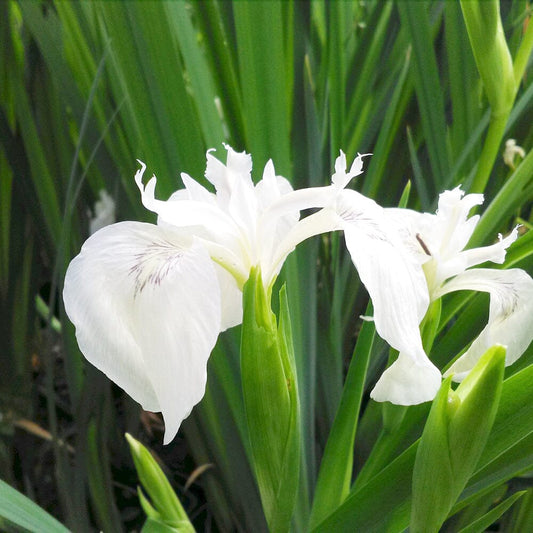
[(224, 176), (272, 227), (235, 189), (452, 227), (196, 191), (439, 240), (510, 312), (146, 305), (181, 212), (341, 178)]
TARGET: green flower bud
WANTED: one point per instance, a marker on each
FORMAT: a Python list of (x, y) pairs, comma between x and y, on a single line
[(271, 401)]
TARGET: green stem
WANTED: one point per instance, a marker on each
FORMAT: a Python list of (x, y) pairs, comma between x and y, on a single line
[(491, 149), (523, 54)]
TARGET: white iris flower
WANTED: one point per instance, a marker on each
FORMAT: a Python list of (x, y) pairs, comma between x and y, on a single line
[(438, 241), (149, 301)]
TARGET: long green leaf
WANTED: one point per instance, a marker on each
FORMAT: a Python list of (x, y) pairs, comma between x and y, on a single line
[(482, 523), (383, 503), (19, 510), (335, 473), (415, 21), (264, 80)]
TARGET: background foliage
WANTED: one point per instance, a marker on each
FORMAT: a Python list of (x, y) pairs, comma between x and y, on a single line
[(89, 87)]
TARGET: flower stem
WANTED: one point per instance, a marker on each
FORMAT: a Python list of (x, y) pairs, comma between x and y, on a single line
[(491, 148)]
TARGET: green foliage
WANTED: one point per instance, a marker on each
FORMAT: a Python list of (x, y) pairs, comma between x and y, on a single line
[(433, 89), (18, 510)]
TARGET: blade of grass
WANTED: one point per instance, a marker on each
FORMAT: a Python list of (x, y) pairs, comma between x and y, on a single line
[(198, 73), (20, 511), (464, 83), (335, 475), (263, 77), (142, 47), (374, 176), (428, 88), (221, 55), (482, 523)]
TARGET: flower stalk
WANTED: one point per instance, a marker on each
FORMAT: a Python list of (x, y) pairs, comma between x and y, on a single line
[(500, 77)]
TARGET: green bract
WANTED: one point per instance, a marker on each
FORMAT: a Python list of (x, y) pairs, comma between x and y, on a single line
[(165, 507), (271, 401), (454, 437)]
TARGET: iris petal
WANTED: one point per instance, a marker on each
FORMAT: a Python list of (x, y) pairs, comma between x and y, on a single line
[(145, 301), (511, 308), (407, 382), (395, 281)]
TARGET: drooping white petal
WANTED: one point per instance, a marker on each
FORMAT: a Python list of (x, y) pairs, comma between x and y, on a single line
[(406, 382), (394, 279), (407, 223), (99, 307), (510, 312), (397, 287), (146, 305)]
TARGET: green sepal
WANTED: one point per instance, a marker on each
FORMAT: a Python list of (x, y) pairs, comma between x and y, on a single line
[(479, 394), (271, 401), (155, 523), (148, 508), (165, 506), (454, 437), (155, 526)]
